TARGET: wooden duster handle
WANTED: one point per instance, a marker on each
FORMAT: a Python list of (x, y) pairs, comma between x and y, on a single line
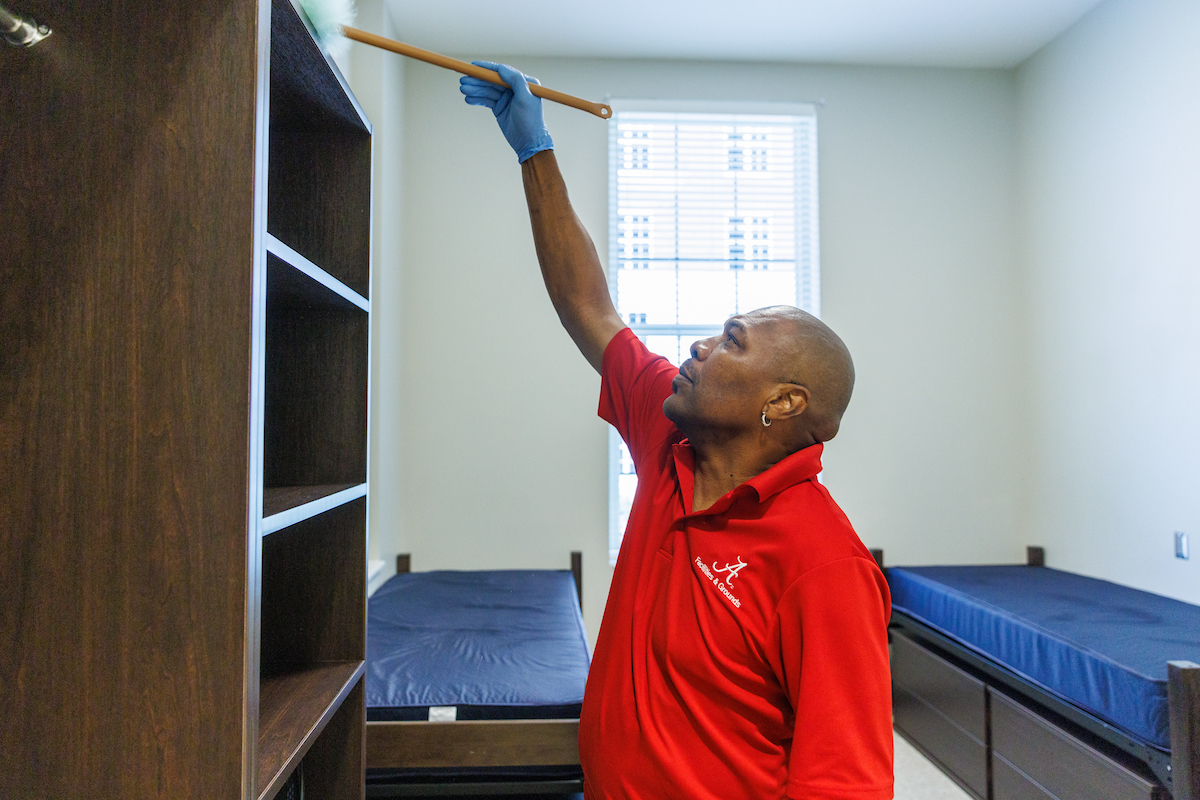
[(491, 76)]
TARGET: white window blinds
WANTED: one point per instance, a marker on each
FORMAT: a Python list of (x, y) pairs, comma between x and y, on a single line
[(710, 214)]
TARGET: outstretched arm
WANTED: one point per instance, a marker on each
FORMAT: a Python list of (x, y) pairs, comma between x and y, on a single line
[(570, 266)]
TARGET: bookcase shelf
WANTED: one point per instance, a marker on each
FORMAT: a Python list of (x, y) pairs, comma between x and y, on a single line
[(319, 169), (286, 505), (305, 74), (313, 636), (316, 383), (312, 613), (294, 710), (298, 288)]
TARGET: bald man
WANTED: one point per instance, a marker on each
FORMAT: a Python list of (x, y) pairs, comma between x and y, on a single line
[(743, 649)]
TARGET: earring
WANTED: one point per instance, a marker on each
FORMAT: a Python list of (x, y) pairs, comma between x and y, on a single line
[(766, 422)]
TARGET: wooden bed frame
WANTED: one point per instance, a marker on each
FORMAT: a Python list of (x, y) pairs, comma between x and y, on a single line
[(1001, 737), (476, 744)]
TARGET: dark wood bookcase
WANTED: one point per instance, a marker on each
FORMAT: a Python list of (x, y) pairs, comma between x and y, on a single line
[(183, 406)]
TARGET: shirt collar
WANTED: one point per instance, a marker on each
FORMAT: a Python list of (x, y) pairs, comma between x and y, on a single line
[(800, 466)]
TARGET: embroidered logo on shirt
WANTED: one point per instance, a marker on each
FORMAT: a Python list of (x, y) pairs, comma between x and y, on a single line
[(730, 570)]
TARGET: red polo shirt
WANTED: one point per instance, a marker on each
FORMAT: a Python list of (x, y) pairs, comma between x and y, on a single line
[(743, 652)]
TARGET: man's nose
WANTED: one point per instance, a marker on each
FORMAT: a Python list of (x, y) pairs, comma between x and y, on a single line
[(701, 349)]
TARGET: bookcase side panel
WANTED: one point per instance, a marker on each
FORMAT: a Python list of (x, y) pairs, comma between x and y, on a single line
[(128, 196)]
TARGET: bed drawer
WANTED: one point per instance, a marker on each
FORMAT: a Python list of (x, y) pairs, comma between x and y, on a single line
[(954, 693), (941, 710), (960, 755), (1010, 783), (1031, 754)]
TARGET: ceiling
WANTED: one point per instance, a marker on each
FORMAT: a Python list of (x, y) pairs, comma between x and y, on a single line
[(944, 33)]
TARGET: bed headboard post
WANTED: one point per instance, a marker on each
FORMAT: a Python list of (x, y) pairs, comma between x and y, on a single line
[(403, 563), (1035, 556), (877, 554), (577, 571), (1183, 696)]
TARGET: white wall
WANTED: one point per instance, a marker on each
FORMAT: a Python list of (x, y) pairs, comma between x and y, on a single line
[(503, 461), (1110, 137), (1027, 350)]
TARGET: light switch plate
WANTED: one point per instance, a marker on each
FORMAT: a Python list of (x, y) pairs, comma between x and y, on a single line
[(1181, 545)]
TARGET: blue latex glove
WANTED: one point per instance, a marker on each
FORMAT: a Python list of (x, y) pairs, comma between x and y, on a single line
[(517, 110)]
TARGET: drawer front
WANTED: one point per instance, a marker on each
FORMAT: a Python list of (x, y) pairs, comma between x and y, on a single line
[(1009, 784), (956, 751), (957, 695), (1065, 766)]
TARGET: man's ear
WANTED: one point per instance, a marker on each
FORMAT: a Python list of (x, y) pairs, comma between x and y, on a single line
[(790, 400)]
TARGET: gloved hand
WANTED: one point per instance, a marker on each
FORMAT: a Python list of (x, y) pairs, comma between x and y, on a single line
[(517, 110)]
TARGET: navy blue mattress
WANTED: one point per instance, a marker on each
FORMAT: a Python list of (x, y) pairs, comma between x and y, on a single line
[(1095, 644), (496, 644)]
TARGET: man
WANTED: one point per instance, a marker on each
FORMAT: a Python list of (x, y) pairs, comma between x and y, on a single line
[(743, 650)]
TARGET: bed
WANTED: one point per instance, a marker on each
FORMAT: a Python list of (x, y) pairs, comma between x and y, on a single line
[(474, 681), (1022, 681)]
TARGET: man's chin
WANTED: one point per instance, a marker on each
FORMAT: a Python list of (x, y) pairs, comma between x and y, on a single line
[(669, 406), (673, 409)]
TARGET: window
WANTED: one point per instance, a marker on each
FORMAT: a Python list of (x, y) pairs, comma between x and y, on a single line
[(712, 212)]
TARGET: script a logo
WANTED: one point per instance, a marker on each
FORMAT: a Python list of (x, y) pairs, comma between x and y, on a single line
[(732, 570)]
